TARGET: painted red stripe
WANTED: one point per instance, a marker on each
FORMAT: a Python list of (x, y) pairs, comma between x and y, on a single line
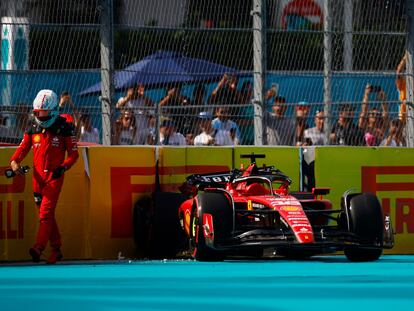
[(397, 186)]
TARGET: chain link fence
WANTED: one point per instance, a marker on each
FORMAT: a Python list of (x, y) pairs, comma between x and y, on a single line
[(181, 72)]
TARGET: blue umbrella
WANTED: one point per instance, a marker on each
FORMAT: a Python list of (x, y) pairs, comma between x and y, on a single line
[(162, 68)]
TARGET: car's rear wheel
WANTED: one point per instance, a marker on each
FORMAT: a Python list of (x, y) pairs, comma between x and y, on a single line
[(218, 206), (157, 231), (366, 221)]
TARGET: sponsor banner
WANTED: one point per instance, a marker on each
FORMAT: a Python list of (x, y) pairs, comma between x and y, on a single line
[(18, 213), (387, 172), (118, 177), (285, 159)]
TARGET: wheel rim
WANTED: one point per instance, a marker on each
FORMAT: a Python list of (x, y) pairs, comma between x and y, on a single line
[(193, 244)]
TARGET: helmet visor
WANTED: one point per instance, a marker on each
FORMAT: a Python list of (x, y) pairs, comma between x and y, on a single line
[(42, 115)]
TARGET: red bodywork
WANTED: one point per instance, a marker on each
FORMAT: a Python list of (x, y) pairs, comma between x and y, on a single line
[(253, 195)]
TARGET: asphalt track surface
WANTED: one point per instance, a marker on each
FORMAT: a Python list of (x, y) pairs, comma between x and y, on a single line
[(321, 283)]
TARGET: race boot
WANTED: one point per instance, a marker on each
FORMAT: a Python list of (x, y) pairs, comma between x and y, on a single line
[(35, 252), (55, 255)]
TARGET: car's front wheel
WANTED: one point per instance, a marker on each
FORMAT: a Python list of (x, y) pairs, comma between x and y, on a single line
[(366, 221), (217, 207)]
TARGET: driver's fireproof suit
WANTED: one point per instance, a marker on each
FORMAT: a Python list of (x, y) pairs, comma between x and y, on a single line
[(49, 149)]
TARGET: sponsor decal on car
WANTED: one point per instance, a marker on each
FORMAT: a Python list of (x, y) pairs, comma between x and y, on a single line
[(290, 208)]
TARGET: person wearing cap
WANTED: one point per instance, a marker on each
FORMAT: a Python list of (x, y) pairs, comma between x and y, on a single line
[(206, 137), (280, 129), (51, 138), (169, 135)]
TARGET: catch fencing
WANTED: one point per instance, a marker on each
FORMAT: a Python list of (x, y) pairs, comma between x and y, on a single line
[(274, 68)]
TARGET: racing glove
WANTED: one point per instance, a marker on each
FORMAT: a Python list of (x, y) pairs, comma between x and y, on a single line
[(57, 173)]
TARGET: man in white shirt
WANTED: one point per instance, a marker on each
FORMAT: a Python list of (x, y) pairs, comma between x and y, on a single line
[(227, 131), (206, 137), (316, 135)]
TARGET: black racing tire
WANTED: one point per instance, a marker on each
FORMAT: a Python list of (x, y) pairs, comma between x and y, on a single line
[(167, 235), (366, 221), (141, 218), (218, 205), (157, 231)]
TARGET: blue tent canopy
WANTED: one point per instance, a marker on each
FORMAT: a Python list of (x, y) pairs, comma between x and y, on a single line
[(163, 68)]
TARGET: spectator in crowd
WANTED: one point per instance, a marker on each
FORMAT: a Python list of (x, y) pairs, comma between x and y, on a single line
[(136, 100), (177, 107), (24, 118), (206, 137), (65, 102), (198, 104), (189, 138), (86, 132), (302, 113), (395, 137), (7, 134), (55, 151), (125, 129), (401, 83), (169, 135), (316, 135), (227, 94), (246, 117), (227, 131), (371, 121), (270, 95), (199, 96), (149, 134), (345, 132), (280, 129)]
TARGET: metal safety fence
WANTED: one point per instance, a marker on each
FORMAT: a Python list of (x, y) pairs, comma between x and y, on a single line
[(186, 72)]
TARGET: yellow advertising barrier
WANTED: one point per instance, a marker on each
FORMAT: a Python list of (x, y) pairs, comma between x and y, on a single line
[(387, 172), (18, 214), (119, 175), (95, 207)]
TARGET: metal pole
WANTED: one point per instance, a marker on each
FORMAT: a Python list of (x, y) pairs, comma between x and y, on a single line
[(410, 77), (327, 65), (348, 27), (259, 67), (107, 65)]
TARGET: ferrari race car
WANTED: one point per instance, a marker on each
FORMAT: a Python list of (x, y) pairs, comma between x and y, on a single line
[(245, 211)]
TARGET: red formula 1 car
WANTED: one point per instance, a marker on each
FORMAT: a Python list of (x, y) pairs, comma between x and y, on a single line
[(243, 212)]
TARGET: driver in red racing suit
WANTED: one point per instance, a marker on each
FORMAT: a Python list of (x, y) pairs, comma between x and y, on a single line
[(51, 137)]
